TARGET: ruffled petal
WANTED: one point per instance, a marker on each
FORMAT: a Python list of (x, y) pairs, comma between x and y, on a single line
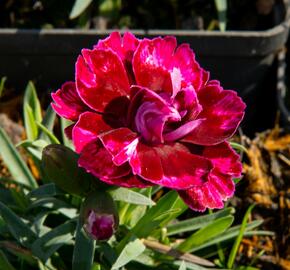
[(211, 195), (222, 112), (67, 102), (171, 165), (87, 129), (224, 159), (187, 102), (192, 73), (120, 143), (100, 78), (95, 159), (152, 63), (150, 113), (123, 47), (129, 181)]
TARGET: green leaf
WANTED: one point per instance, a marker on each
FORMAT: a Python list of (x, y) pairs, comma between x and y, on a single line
[(192, 266), (84, 249), (238, 240), (239, 147), (132, 250), (154, 217), (45, 246), (48, 133), (64, 123), (246, 268), (197, 222), (53, 203), (4, 263), (2, 83), (16, 226), (14, 162), (48, 122), (79, 7), (182, 266), (206, 233), (221, 6), (32, 111), (129, 196), (47, 190), (230, 234)]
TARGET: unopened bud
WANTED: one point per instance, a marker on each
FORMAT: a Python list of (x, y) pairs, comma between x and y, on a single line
[(60, 165), (99, 216)]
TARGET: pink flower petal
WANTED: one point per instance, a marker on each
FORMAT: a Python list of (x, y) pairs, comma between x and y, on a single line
[(150, 112), (152, 63), (182, 130), (98, 161), (87, 129), (67, 102), (224, 185), (95, 159), (186, 100), (169, 165), (124, 47), (191, 72), (120, 143), (209, 195), (100, 78), (222, 110), (129, 181), (224, 159)]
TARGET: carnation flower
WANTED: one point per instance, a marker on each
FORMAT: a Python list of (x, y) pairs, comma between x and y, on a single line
[(145, 113)]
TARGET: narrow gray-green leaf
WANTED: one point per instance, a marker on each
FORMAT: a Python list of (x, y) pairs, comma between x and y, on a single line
[(16, 226), (192, 266), (206, 233), (230, 234), (64, 123), (48, 133), (45, 246), (84, 249), (14, 162), (238, 240), (154, 217), (132, 250), (47, 190), (48, 122), (197, 222), (129, 196), (182, 266), (32, 111), (4, 263), (79, 7), (53, 203), (29, 122)]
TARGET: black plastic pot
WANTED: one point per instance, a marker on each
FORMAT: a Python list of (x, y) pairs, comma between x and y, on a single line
[(283, 95), (242, 61)]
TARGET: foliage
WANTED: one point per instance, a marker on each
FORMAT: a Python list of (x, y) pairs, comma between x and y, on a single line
[(40, 227)]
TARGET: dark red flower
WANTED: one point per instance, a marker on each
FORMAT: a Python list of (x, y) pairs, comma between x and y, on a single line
[(145, 113)]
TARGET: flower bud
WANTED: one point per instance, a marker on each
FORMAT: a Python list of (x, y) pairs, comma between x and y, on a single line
[(60, 165), (99, 216)]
